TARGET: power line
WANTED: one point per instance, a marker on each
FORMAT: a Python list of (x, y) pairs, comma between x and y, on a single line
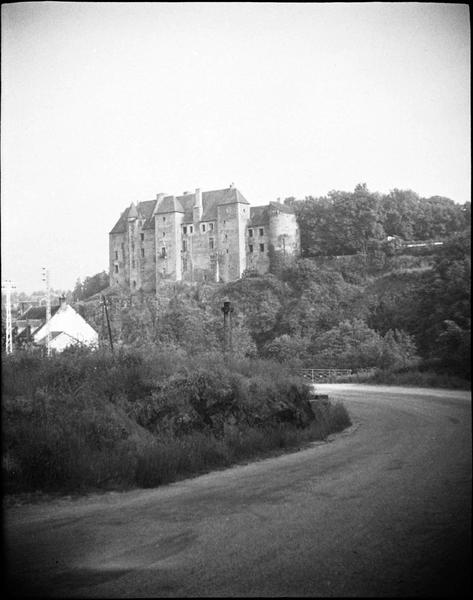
[(8, 286)]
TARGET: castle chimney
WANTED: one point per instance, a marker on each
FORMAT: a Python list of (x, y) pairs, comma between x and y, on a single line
[(197, 211)]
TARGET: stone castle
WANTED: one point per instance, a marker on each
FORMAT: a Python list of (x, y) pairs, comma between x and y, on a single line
[(201, 236)]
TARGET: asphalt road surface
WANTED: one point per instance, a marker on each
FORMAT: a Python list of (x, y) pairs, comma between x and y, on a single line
[(383, 509)]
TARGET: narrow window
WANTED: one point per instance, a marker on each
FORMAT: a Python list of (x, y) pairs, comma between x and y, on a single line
[(164, 234), (134, 284), (142, 252), (250, 232), (116, 254), (203, 227), (211, 226), (261, 247), (191, 229), (211, 243), (261, 231), (164, 219), (226, 237), (184, 264), (123, 251), (163, 252), (142, 235), (184, 229), (184, 245), (116, 268), (251, 247)]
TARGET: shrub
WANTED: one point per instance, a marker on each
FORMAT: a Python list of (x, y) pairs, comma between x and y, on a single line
[(87, 420)]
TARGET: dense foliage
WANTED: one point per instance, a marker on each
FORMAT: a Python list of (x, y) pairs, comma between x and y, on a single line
[(317, 315), (350, 222), (86, 419)]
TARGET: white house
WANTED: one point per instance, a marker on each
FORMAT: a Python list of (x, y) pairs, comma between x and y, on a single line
[(67, 328)]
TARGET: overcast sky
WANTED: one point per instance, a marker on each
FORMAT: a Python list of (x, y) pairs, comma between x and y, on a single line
[(104, 104)]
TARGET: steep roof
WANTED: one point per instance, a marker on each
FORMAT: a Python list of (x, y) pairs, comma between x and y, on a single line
[(259, 215), (35, 313), (120, 225), (169, 204), (183, 204), (282, 207)]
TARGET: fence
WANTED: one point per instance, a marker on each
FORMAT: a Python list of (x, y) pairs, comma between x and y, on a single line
[(329, 375)]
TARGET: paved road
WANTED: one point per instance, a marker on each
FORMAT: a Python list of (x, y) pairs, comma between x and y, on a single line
[(383, 509)]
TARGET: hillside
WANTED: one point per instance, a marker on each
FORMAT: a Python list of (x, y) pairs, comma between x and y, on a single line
[(364, 310)]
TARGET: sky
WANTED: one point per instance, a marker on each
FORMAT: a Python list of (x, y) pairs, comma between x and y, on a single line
[(104, 104)]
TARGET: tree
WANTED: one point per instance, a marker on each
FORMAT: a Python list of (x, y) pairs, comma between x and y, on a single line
[(350, 345)]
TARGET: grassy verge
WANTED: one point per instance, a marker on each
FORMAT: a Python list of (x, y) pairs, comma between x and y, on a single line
[(412, 377), (80, 423)]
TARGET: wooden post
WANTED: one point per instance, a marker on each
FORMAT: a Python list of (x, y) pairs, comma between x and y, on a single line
[(227, 310)]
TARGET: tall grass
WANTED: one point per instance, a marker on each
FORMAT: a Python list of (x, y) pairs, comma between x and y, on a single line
[(84, 420)]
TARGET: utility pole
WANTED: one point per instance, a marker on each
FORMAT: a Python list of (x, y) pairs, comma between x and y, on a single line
[(48, 309), (104, 304), (227, 310), (8, 286)]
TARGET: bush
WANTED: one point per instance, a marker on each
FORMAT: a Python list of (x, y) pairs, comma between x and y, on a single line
[(87, 420)]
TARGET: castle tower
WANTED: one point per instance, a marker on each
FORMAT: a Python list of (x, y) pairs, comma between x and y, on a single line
[(284, 235), (168, 215), (133, 271)]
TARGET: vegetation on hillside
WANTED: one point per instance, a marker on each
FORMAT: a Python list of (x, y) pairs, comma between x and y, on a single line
[(86, 420)]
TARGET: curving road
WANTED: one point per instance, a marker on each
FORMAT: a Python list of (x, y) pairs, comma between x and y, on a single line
[(383, 509)]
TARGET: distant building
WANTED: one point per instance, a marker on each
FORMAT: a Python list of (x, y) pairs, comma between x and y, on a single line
[(201, 236), (66, 325)]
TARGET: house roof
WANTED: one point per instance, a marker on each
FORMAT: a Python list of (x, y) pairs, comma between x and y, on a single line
[(37, 313), (183, 204), (282, 207), (54, 334)]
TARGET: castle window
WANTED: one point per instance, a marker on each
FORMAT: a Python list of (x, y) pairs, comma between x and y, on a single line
[(250, 232), (184, 264), (163, 252), (251, 247), (211, 243), (164, 234), (142, 252), (184, 229), (142, 236), (261, 247), (164, 219), (116, 254), (203, 227), (116, 268), (123, 250), (134, 284), (211, 226), (191, 229), (226, 237), (261, 231), (184, 245)]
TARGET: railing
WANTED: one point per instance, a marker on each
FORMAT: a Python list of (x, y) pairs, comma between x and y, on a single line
[(330, 375), (324, 375)]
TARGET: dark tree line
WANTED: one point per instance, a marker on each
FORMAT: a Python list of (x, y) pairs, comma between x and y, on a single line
[(343, 223)]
